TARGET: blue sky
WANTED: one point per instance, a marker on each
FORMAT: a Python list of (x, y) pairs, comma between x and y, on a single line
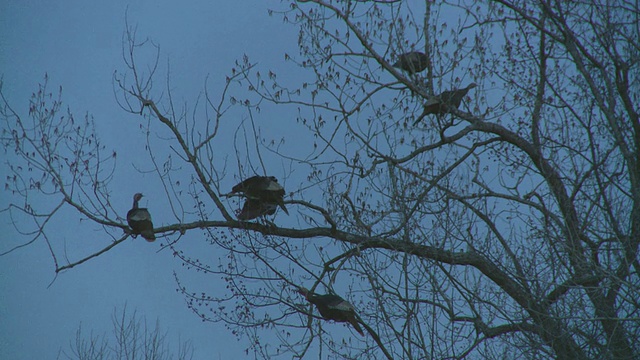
[(78, 44)]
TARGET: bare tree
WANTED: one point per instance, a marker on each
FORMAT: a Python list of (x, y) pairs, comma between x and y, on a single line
[(132, 339), (506, 227)]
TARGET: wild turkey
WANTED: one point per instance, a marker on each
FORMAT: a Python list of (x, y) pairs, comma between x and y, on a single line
[(255, 208), (264, 191), (139, 220), (412, 62), (333, 307), (443, 103)]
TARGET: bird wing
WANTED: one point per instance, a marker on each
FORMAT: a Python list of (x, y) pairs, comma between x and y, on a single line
[(432, 106), (270, 184), (273, 192), (246, 184), (343, 305), (140, 222), (454, 97), (434, 100), (335, 302), (412, 62), (457, 96), (341, 310), (254, 208), (140, 214)]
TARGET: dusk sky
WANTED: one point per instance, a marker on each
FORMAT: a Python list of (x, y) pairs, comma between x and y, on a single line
[(79, 45), (455, 172)]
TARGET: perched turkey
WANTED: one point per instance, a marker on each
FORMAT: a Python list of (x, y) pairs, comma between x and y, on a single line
[(443, 103), (333, 307), (139, 220), (255, 208), (412, 62), (263, 191)]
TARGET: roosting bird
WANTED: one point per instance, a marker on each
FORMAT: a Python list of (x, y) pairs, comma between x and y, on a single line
[(443, 103), (139, 220), (253, 208), (333, 307), (412, 62), (262, 192)]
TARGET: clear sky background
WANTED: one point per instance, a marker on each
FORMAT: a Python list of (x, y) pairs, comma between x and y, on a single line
[(79, 45)]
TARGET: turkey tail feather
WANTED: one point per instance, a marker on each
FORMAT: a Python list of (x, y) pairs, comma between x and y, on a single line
[(356, 326), (281, 203)]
